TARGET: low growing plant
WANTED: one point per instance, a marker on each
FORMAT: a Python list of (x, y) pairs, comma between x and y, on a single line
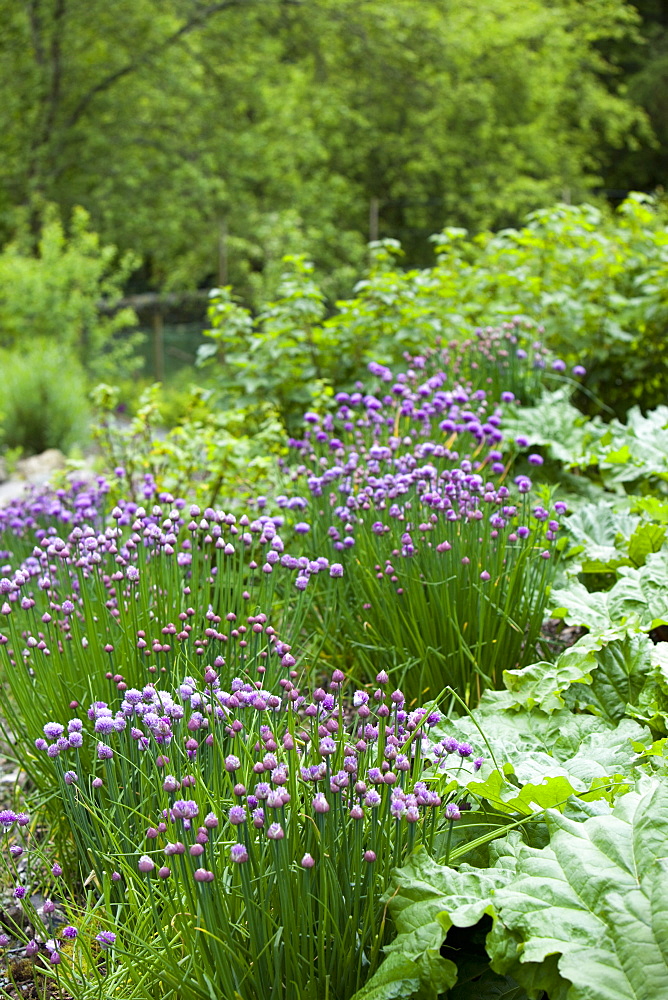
[(43, 401), (447, 568), (269, 827), (146, 594)]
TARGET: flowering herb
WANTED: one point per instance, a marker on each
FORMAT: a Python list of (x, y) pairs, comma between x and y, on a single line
[(279, 831), (447, 563)]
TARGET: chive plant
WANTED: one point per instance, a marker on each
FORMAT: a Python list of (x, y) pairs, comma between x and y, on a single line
[(139, 599), (448, 561), (270, 826)]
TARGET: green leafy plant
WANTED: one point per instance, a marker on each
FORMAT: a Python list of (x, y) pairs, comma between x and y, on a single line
[(209, 454), (581, 918), (52, 292), (44, 401)]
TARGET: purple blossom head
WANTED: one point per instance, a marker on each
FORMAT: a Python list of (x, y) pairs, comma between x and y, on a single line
[(53, 730), (320, 803), (106, 939)]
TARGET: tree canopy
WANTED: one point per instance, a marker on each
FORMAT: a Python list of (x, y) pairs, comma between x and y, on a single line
[(212, 138)]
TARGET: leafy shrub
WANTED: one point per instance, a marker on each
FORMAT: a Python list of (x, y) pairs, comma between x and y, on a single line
[(44, 399), (212, 455), (53, 291), (293, 356)]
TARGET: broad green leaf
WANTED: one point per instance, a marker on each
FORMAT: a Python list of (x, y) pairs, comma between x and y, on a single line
[(646, 539), (541, 684), (489, 986), (397, 977), (595, 898)]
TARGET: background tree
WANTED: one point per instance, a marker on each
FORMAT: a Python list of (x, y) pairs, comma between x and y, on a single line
[(212, 138)]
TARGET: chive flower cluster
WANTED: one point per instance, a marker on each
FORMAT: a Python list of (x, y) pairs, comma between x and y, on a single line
[(269, 811), (410, 488), (117, 602)]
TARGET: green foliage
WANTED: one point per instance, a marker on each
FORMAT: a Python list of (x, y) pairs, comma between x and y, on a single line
[(581, 918), (51, 293), (295, 116), (210, 455), (43, 399), (283, 357), (596, 280)]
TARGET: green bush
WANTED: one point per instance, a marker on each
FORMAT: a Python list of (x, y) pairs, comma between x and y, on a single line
[(595, 281), (44, 399), (53, 290)]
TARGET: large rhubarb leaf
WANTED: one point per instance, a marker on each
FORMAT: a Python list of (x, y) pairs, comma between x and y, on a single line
[(640, 596), (583, 918), (595, 899)]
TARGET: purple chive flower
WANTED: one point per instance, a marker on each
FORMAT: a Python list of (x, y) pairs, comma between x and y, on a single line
[(104, 752), (31, 948), (320, 803), (452, 811), (7, 818), (478, 762), (370, 856), (238, 854), (70, 777), (307, 861), (275, 832), (53, 730), (336, 570), (237, 815), (535, 459), (145, 864), (4, 940), (56, 870), (302, 528), (232, 763), (69, 932), (19, 892), (202, 875), (579, 370), (106, 939)]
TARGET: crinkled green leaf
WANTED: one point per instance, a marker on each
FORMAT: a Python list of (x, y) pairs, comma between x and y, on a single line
[(645, 540), (595, 899), (489, 986), (640, 596), (621, 671), (397, 977), (426, 900), (541, 684)]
